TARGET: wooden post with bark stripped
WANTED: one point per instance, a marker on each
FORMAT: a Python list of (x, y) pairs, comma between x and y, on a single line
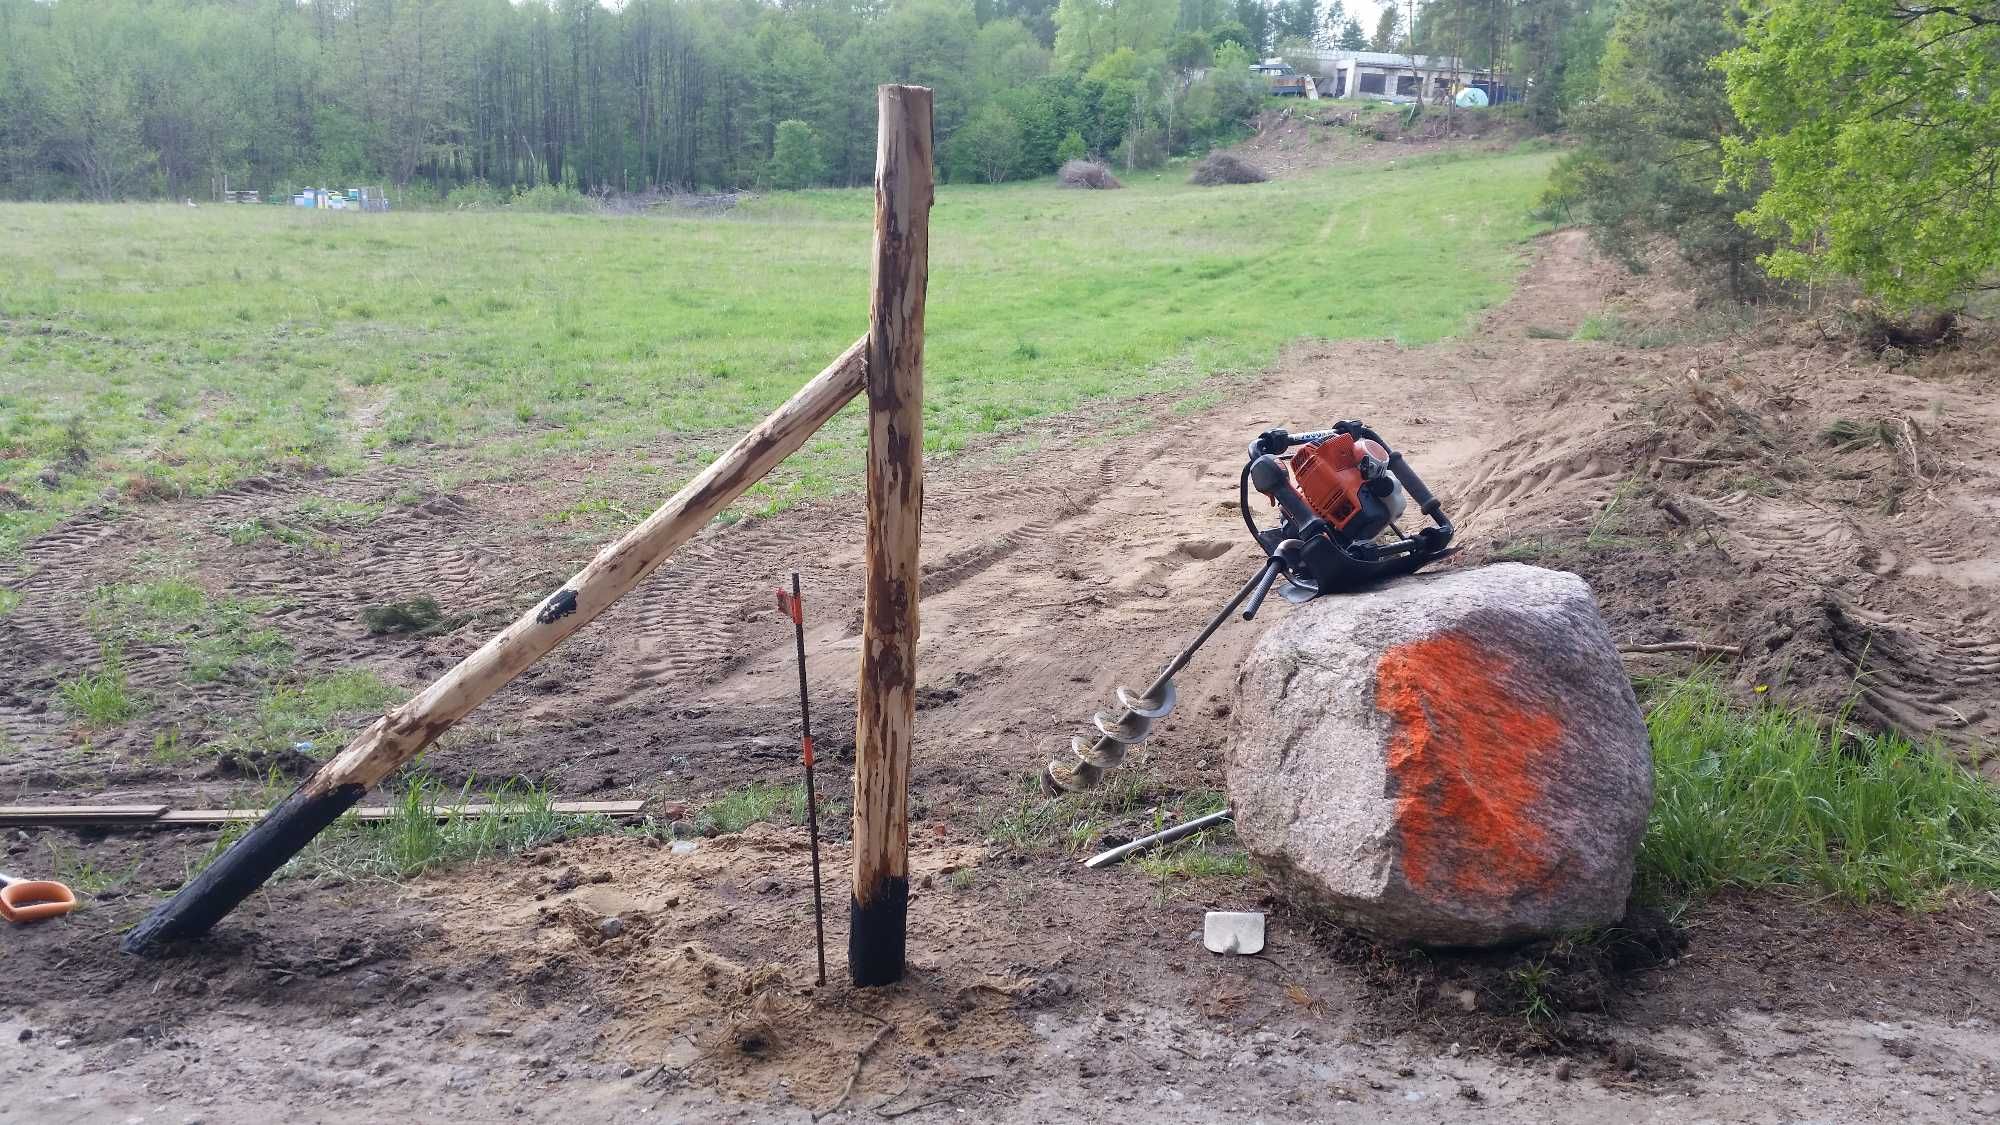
[(886, 702), (398, 736)]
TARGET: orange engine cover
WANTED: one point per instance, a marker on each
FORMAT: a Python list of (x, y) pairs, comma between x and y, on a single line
[(1328, 475)]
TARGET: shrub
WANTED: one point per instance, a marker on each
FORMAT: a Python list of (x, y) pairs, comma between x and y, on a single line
[(1143, 147), (1875, 126), (1222, 168), (1071, 148), (475, 195), (418, 195), (795, 157), (1087, 174), (989, 147), (555, 199)]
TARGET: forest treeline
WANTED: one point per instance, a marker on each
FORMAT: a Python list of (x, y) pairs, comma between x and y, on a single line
[(108, 99), (112, 99)]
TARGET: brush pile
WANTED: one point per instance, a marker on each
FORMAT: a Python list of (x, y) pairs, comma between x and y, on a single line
[(1222, 168), (1087, 174)]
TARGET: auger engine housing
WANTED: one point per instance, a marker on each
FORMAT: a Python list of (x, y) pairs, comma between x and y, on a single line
[(1337, 492)]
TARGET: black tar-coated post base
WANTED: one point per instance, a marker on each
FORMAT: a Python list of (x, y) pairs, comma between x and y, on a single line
[(875, 934), (243, 868)]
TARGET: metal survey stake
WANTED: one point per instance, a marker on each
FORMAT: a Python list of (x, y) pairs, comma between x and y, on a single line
[(793, 606)]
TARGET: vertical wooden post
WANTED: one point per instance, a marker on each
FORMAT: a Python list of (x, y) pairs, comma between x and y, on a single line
[(886, 702)]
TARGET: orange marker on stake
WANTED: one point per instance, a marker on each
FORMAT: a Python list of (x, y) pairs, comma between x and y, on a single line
[(792, 606)]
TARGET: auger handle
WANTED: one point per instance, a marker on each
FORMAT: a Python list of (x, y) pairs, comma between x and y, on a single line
[(1257, 592)]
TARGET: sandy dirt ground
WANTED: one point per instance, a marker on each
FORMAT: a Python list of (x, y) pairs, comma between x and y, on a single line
[(1689, 482)]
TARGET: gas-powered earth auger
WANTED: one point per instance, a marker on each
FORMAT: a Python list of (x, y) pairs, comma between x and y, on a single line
[(1339, 493)]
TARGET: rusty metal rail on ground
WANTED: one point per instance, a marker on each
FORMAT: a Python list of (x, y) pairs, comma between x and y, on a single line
[(143, 816)]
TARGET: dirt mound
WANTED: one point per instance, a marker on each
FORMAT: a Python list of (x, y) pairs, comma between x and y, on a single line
[(701, 955), (1087, 174), (1529, 998), (1828, 514), (1222, 168), (1301, 139)]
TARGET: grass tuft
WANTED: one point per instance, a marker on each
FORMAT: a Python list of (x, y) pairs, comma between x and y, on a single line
[(1532, 985), (220, 638), (1846, 434), (101, 698), (417, 615), (754, 803), (1758, 798), (1704, 327), (309, 716), (1071, 822), (77, 871), (1196, 857), (416, 840)]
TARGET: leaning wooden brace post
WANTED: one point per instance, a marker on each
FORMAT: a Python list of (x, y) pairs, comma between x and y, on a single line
[(398, 736), (886, 702)]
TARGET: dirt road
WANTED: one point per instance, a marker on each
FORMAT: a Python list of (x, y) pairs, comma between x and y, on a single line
[(1061, 561)]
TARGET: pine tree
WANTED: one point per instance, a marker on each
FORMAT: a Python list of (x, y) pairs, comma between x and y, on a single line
[(1651, 156), (1331, 23), (1388, 30)]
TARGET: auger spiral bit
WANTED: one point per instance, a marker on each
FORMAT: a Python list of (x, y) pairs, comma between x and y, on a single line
[(1129, 726)]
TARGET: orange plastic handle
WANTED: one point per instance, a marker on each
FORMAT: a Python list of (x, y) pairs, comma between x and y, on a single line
[(32, 900)]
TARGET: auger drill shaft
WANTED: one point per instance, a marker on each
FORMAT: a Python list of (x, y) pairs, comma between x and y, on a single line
[(1135, 721)]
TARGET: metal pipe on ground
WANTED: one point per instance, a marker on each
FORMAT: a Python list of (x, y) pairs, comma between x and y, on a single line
[(1143, 843)]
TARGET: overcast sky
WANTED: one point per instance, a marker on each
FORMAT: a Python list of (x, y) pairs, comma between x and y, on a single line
[(1368, 11)]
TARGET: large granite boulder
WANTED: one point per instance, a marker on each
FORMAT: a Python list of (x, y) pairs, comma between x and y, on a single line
[(1451, 759)]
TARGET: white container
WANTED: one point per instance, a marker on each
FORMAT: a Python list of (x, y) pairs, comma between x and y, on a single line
[(1229, 931)]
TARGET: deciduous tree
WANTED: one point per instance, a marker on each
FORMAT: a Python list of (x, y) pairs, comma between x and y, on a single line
[(795, 157), (1877, 125)]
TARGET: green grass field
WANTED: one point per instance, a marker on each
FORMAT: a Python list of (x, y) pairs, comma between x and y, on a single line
[(155, 351)]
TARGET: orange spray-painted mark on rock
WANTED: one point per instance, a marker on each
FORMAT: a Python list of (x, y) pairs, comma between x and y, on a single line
[(1462, 755)]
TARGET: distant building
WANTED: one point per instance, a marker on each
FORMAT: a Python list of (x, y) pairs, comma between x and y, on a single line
[(334, 199), (1285, 82), (1394, 77)]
